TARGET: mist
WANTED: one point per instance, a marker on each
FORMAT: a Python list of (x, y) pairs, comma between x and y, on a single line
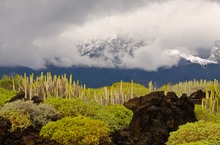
[(37, 33)]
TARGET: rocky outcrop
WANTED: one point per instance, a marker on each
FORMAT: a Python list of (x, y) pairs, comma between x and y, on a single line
[(21, 96), (155, 116), (29, 136), (197, 97), (5, 125)]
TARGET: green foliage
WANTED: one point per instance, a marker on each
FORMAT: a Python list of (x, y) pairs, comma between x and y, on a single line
[(6, 95), (73, 107), (206, 115), (199, 132), (202, 142), (116, 116), (8, 82), (76, 131), (18, 119), (37, 114), (118, 93)]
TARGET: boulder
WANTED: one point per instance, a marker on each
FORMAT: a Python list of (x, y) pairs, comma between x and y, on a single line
[(155, 116), (197, 97), (5, 125), (21, 96)]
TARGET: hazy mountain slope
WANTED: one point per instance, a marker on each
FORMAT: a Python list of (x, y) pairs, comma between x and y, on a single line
[(97, 77)]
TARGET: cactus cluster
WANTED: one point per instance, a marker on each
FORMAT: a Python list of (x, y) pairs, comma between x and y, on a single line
[(49, 85)]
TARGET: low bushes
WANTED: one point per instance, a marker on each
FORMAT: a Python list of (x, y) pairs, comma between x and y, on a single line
[(6, 95), (73, 107), (206, 115), (76, 131), (19, 111), (116, 116), (195, 134)]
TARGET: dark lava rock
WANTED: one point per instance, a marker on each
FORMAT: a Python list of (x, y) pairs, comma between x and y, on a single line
[(21, 96), (155, 116), (37, 100), (29, 136), (197, 97), (5, 125)]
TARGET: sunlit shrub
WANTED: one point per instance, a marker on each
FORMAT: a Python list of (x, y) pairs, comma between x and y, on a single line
[(38, 114), (76, 131), (117, 116), (198, 132), (73, 107), (18, 119), (6, 95), (6, 82), (203, 114)]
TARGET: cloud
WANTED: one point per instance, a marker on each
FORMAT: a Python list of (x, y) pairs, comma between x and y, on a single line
[(34, 33)]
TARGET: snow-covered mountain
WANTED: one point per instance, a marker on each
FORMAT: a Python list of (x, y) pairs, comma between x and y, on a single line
[(215, 52), (112, 50), (191, 58)]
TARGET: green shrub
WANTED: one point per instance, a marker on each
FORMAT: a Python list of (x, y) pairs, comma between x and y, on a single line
[(38, 114), (203, 114), (17, 118), (117, 116), (199, 132), (6, 82), (76, 131), (74, 107), (6, 95)]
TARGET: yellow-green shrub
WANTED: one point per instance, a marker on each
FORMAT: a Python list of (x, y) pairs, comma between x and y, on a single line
[(116, 116), (6, 95), (76, 131), (198, 132), (17, 118), (73, 107), (37, 114), (205, 115)]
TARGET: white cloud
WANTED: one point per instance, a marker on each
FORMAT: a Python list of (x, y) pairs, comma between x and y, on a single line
[(36, 32)]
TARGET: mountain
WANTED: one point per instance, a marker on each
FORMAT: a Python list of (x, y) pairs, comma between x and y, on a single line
[(97, 77), (113, 49), (215, 52)]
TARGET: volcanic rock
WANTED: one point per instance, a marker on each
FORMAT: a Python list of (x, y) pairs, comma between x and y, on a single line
[(21, 96), (197, 97), (155, 116)]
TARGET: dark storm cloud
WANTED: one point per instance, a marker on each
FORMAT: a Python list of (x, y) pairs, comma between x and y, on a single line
[(34, 32)]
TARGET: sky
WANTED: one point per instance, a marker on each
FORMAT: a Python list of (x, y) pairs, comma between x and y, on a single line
[(34, 33)]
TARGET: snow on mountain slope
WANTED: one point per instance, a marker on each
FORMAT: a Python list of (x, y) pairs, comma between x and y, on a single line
[(215, 52), (190, 57), (112, 50)]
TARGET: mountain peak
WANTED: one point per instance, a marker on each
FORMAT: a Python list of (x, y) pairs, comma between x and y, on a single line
[(189, 57), (111, 49), (215, 52)]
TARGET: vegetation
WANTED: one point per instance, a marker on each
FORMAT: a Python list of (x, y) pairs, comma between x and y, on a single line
[(48, 85), (200, 132), (6, 95), (86, 115), (76, 131), (116, 116), (27, 110)]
